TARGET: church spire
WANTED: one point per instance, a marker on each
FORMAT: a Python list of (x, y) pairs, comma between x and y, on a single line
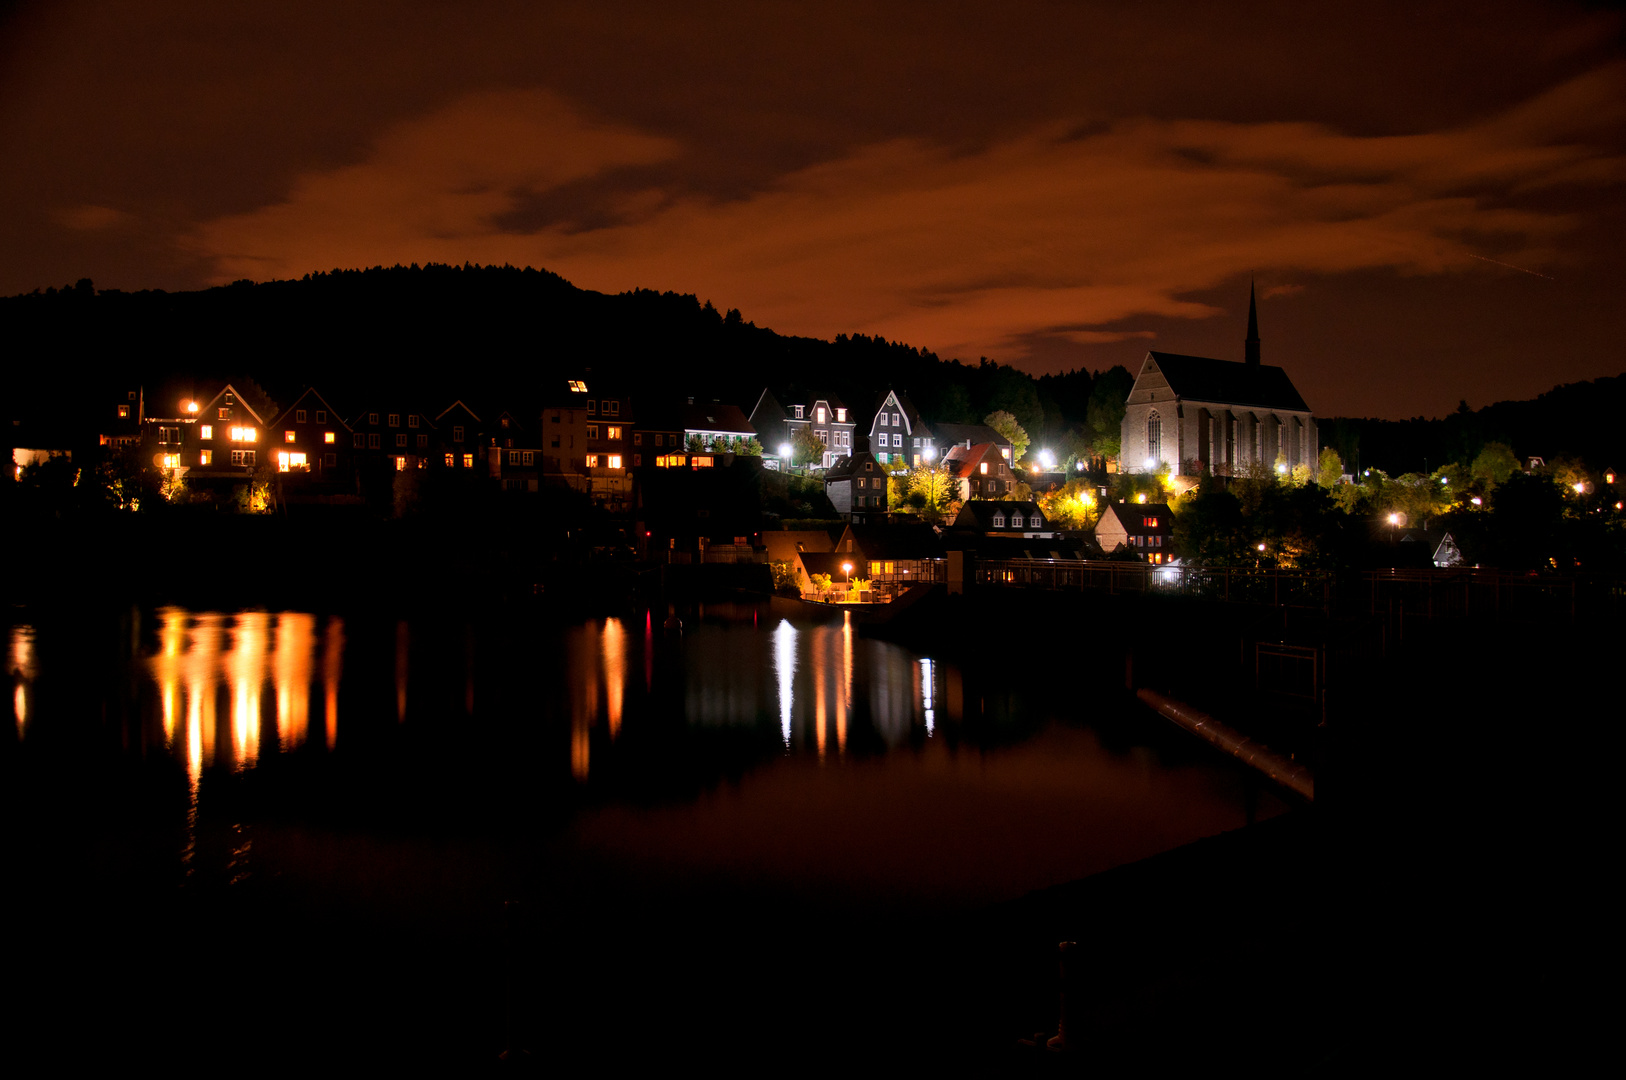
[(1251, 346)]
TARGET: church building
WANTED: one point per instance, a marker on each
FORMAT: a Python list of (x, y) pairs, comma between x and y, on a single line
[(1193, 412)]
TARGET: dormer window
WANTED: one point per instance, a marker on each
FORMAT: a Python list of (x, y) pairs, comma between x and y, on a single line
[(821, 414), (999, 521), (224, 414), (578, 387), (841, 416), (798, 409)]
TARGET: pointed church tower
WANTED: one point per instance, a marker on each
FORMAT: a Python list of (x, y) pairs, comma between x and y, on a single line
[(1250, 347)]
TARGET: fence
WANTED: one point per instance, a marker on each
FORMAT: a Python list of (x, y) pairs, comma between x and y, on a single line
[(1276, 588)]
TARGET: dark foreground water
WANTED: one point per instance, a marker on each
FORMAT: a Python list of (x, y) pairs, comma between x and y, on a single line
[(253, 835)]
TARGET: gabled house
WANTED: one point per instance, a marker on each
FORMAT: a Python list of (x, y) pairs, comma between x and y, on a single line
[(1022, 520), (788, 546), (1147, 529), (1195, 413), (311, 439), (610, 441), (856, 487), (981, 470), (969, 435), (223, 436), (691, 435), (898, 437), (393, 436), (827, 416), (461, 446), (120, 426)]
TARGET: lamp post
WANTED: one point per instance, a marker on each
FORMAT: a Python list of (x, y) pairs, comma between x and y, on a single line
[(847, 568)]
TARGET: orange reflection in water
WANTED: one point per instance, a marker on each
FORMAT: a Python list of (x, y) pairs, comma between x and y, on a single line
[(245, 675), (332, 668), (291, 668), (403, 650), (613, 648), (22, 668), (596, 655)]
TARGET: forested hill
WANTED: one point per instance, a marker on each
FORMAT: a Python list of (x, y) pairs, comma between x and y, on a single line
[(1577, 420), (493, 336)]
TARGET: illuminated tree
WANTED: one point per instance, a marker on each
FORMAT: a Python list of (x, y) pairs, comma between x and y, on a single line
[(805, 446), (1494, 464), (1072, 506), (1329, 468), (936, 488), (821, 583), (1004, 423), (749, 447)]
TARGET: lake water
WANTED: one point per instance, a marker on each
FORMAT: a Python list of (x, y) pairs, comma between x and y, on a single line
[(406, 774)]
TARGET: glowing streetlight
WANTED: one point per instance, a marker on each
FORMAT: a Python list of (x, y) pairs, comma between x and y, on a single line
[(1477, 501), (1151, 464), (784, 449), (1261, 547), (191, 406), (1281, 469), (1394, 519), (929, 453), (847, 568), (1048, 458), (1580, 489)]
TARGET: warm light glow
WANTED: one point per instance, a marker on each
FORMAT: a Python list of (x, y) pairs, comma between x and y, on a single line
[(244, 434), (615, 461), (292, 663), (327, 437), (784, 664), (846, 567), (172, 461), (206, 431), (984, 467), (577, 386), (191, 406), (1281, 469), (332, 669), (22, 670), (1261, 547), (929, 453), (1580, 489), (205, 457), (613, 647), (927, 701), (1394, 519), (1477, 501), (1151, 463), (289, 436), (1141, 497), (784, 450)]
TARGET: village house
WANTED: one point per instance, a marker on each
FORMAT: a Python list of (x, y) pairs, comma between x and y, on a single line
[(459, 428), (690, 435), (1020, 520), (856, 487), (892, 556), (1192, 413), (969, 435), (788, 546), (518, 452), (563, 435), (898, 436), (311, 440), (391, 436), (610, 454), (981, 471), (1147, 529), (827, 416), (121, 425)]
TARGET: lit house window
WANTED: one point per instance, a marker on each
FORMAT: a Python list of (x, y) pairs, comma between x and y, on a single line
[(983, 468), (299, 416), (172, 461), (449, 461), (615, 461), (821, 414), (592, 461), (328, 437), (289, 436), (124, 411), (206, 431), (400, 463), (205, 457), (224, 414), (468, 461), (614, 433), (577, 386), (841, 416), (244, 434)]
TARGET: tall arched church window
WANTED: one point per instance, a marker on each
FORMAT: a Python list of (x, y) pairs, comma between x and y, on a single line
[(1154, 436)]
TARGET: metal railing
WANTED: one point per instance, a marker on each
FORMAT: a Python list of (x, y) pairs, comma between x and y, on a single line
[(1276, 588)]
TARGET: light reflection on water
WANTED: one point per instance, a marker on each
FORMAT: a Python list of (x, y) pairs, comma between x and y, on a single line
[(21, 666)]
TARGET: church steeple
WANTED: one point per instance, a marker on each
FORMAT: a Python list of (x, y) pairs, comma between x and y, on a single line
[(1250, 347)]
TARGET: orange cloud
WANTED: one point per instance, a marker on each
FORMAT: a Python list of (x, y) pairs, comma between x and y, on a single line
[(964, 252), (92, 218)]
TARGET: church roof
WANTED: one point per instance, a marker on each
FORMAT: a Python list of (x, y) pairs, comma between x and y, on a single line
[(1201, 378)]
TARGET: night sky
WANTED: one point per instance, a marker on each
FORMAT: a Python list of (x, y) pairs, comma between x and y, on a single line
[(1428, 195)]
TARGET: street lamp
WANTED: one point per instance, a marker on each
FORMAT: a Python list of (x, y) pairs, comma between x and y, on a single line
[(847, 568)]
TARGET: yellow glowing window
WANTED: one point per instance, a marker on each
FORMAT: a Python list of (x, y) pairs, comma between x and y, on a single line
[(206, 431), (172, 461), (468, 461), (124, 411), (614, 433), (702, 461), (206, 457), (984, 467), (400, 463), (592, 461), (821, 416), (615, 461), (448, 461), (327, 437), (577, 386), (289, 436)]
